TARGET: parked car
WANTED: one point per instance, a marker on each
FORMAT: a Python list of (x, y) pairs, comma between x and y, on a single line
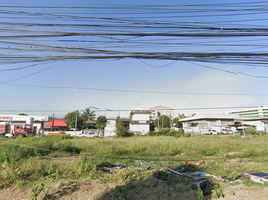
[(89, 133), (224, 131), (212, 132)]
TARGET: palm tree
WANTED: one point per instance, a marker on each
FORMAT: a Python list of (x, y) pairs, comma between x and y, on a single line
[(87, 115)]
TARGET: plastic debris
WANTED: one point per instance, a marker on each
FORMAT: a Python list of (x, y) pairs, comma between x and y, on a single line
[(180, 169), (206, 187), (243, 175), (194, 175), (197, 163), (226, 179), (110, 168), (198, 175), (257, 177), (139, 162), (229, 180), (256, 180)]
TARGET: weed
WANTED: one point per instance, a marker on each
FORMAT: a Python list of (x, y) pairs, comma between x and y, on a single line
[(37, 190), (199, 194), (235, 175), (120, 192), (217, 192)]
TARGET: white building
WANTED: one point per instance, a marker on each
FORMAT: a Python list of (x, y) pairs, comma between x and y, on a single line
[(256, 117), (37, 122), (140, 122), (202, 123), (110, 128), (157, 111)]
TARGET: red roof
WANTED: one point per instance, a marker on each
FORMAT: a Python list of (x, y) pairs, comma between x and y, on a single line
[(57, 123), (161, 108)]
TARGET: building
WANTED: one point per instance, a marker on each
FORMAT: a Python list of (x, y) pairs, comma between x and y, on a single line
[(37, 122), (157, 111), (202, 123), (235, 121), (140, 121), (256, 117), (110, 127)]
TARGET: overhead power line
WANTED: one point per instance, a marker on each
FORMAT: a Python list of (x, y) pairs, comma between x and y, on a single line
[(138, 91), (129, 110)]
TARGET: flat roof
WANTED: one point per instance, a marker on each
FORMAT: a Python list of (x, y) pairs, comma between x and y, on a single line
[(209, 116)]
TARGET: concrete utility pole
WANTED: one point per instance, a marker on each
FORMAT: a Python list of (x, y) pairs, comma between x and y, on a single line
[(75, 123), (51, 128)]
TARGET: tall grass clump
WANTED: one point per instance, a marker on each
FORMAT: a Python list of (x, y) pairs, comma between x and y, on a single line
[(84, 167), (206, 151), (10, 154), (68, 147)]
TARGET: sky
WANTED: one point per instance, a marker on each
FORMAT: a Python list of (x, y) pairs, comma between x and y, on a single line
[(35, 82)]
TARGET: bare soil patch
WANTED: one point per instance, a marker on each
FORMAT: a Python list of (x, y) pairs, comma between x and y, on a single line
[(150, 189)]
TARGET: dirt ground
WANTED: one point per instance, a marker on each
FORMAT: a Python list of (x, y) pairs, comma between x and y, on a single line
[(94, 190)]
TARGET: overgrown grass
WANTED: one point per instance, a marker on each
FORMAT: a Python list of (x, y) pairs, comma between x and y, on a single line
[(28, 160)]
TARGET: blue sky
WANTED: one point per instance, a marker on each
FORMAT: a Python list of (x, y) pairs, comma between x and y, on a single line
[(127, 83)]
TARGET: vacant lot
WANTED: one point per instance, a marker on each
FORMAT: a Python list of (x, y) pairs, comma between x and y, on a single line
[(131, 168)]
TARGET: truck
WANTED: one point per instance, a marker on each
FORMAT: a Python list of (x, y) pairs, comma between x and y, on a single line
[(14, 130)]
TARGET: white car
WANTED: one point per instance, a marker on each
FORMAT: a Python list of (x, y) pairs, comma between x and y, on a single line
[(88, 133), (212, 132)]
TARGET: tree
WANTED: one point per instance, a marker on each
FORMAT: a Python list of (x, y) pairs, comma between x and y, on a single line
[(70, 119), (87, 115), (251, 130), (23, 114), (101, 123), (177, 122), (162, 122), (122, 129)]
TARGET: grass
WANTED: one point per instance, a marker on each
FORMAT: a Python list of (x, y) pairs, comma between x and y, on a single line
[(27, 161)]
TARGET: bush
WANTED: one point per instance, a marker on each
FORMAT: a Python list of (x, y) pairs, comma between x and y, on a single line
[(68, 146), (152, 133), (122, 130), (166, 132), (251, 130)]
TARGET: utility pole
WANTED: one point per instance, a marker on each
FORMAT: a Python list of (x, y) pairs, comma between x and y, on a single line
[(75, 123), (51, 128)]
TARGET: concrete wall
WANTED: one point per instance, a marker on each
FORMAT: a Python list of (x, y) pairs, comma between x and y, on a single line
[(141, 117), (139, 128)]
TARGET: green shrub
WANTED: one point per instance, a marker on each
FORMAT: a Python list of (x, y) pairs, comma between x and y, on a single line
[(251, 130), (217, 192), (187, 135), (152, 133), (68, 146), (122, 130)]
